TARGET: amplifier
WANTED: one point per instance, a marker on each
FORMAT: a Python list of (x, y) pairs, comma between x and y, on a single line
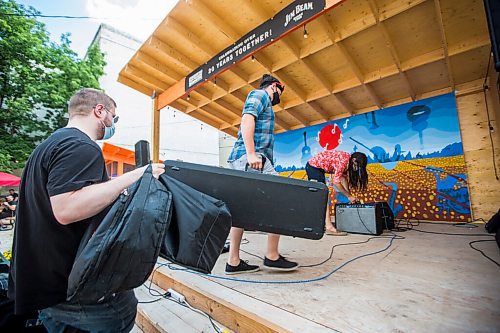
[(369, 218), (141, 153)]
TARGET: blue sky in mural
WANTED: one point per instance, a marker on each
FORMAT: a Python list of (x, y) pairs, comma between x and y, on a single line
[(425, 128)]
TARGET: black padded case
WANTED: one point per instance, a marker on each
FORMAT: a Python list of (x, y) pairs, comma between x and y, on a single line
[(261, 202)]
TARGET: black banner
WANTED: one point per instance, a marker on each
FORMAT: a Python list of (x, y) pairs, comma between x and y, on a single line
[(285, 20)]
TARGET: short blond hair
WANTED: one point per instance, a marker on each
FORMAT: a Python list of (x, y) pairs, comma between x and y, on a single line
[(82, 102)]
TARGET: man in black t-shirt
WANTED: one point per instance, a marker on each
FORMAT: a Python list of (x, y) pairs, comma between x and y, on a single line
[(62, 179), (15, 196), (8, 209)]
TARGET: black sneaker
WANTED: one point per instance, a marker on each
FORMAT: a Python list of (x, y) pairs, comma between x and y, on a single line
[(280, 264), (242, 267)]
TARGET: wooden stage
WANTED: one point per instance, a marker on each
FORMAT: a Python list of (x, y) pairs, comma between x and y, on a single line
[(423, 283)]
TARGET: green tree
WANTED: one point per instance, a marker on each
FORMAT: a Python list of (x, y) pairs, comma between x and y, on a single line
[(37, 78)]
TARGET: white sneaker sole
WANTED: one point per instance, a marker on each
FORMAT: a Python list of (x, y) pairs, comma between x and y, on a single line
[(279, 269), (242, 272)]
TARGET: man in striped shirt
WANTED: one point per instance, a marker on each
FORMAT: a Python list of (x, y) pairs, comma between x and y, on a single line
[(255, 146)]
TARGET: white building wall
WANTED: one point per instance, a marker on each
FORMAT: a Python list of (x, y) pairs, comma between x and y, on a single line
[(181, 136), (226, 143)]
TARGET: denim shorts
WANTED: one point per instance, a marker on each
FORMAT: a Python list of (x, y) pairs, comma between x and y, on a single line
[(116, 314), (241, 164)]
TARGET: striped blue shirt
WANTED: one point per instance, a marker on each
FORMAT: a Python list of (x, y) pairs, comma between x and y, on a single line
[(258, 104)]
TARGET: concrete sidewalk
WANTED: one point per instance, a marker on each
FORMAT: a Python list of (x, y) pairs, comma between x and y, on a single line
[(6, 237)]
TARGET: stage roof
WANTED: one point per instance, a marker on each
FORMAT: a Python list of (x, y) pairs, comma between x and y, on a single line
[(359, 56)]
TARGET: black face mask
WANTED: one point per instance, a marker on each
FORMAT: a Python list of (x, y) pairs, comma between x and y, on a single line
[(276, 98)]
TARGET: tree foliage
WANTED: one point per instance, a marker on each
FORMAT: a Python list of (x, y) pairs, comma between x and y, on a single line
[(37, 78)]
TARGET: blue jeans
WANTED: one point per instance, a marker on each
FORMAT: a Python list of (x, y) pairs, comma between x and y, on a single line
[(116, 314)]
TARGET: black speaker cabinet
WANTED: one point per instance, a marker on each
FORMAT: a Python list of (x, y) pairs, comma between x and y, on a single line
[(369, 218), (492, 8), (141, 153)]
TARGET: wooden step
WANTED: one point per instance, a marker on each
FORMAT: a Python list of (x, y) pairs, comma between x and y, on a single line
[(166, 316), (136, 329), (239, 312)]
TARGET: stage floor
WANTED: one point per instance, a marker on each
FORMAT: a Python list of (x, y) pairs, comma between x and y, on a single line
[(423, 283)]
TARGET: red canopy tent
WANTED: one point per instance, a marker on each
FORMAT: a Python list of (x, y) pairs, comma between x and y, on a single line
[(6, 179)]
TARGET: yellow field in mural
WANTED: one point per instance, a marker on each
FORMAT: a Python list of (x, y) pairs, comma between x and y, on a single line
[(432, 189)]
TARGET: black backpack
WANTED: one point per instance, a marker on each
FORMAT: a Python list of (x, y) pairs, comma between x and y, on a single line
[(122, 252), (199, 227)]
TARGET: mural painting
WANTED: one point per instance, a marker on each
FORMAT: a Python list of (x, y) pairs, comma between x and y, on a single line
[(415, 157)]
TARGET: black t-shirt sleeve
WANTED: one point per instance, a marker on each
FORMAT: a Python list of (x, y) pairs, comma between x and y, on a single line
[(73, 166)]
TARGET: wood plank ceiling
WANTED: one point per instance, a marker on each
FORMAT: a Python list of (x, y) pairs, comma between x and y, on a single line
[(360, 56)]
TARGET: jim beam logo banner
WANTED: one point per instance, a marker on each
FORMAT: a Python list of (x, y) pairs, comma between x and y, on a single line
[(288, 18)]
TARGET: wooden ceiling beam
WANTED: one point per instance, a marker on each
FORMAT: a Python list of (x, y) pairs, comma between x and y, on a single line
[(465, 47), (202, 111), (193, 39), (422, 60), (364, 78), (297, 116), (142, 82), (344, 103), (409, 64), (319, 110), (163, 49), (235, 123), (392, 49), (317, 74), (264, 62), (219, 83), (264, 15), (283, 124), (269, 66), (242, 75), (179, 106), (214, 20), (199, 95), (229, 111), (239, 96), (350, 62), (222, 115), (360, 25), (135, 85), (157, 66), (188, 36), (136, 72), (323, 22), (444, 42), (159, 50), (397, 7), (289, 83), (206, 117), (373, 95), (188, 107), (231, 131), (229, 107), (358, 73), (282, 77)]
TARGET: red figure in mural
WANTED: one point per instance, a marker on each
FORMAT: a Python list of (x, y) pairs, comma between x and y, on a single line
[(330, 136)]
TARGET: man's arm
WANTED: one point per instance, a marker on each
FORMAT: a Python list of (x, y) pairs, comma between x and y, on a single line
[(11, 207), (88, 201), (247, 133)]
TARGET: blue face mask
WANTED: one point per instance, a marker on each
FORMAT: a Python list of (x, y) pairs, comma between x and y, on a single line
[(109, 131)]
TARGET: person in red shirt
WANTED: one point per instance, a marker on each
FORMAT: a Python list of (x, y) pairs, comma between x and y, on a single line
[(349, 172)]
